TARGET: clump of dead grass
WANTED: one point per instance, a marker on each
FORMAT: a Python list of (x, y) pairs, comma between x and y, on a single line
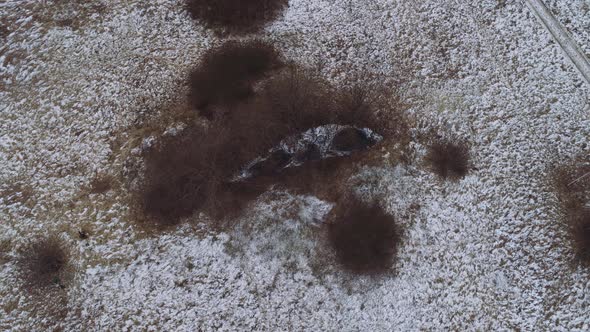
[(4, 32)]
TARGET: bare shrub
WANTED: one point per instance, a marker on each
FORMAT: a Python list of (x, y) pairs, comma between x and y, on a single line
[(580, 234), (193, 171), (571, 183), (177, 178), (357, 106), (196, 170), (295, 100), (225, 75), (45, 264), (449, 159), (235, 16), (300, 99), (364, 237)]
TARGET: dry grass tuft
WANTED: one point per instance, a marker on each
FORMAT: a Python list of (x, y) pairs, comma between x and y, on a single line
[(66, 13), (236, 16), (364, 237), (45, 264), (449, 159)]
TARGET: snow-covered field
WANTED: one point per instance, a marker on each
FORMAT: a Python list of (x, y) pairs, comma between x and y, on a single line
[(485, 253), (574, 15)]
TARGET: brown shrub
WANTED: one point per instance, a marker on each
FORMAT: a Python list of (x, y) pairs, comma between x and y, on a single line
[(357, 107), (235, 16), (300, 99), (294, 101), (449, 159), (364, 237), (178, 178), (571, 183), (580, 234), (225, 75), (45, 264), (194, 171), (373, 106)]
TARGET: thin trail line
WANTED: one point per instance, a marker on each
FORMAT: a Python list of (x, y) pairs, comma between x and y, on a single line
[(562, 37), (579, 179)]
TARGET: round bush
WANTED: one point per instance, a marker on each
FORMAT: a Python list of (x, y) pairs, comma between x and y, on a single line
[(449, 159), (364, 238), (44, 264)]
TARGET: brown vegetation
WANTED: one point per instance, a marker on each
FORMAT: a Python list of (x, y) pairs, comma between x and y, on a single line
[(580, 233), (364, 237), (101, 184), (235, 16), (196, 170), (449, 159), (571, 183), (226, 74), (45, 264)]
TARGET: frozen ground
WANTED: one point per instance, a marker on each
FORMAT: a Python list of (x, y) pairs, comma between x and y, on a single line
[(486, 253)]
